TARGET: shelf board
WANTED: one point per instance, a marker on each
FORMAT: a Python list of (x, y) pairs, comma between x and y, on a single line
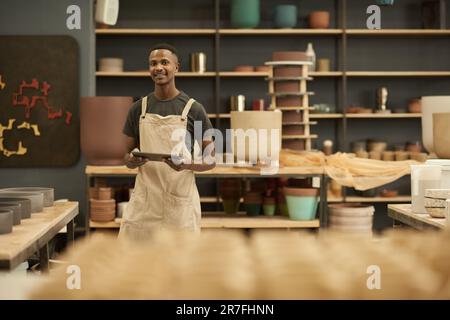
[(325, 74), (242, 74), (382, 115), (221, 115), (379, 199), (326, 115), (399, 32), (398, 73), (185, 32), (298, 136), (238, 32), (233, 221), (146, 74)]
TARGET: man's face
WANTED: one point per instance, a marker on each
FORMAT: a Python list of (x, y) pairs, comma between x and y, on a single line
[(163, 66)]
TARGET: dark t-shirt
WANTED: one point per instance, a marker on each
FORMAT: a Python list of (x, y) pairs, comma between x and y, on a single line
[(164, 108)]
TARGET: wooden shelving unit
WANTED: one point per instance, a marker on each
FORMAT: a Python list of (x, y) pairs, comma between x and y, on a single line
[(383, 115), (398, 73), (398, 32), (145, 74), (146, 32)]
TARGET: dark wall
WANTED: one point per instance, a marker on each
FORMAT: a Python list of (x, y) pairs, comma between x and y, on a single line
[(48, 17)]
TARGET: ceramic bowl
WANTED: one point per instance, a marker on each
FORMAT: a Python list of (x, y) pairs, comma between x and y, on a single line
[(244, 69), (350, 210), (36, 198), (6, 221), (25, 205), (15, 208), (49, 193)]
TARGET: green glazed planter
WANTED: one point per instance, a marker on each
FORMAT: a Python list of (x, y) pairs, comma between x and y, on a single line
[(231, 206), (269, 209), (253, 209), (244, 13), (302, 208), (285, 16)]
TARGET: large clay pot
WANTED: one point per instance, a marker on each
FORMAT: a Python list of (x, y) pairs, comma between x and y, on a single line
[(244, 13), (441, 135), (102, 121), (36, 198), (430, 105)]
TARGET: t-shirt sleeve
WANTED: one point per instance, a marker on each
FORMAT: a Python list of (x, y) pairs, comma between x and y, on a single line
[(131, 126), (200, 114)]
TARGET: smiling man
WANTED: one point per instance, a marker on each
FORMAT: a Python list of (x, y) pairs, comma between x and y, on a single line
[(165, 194)]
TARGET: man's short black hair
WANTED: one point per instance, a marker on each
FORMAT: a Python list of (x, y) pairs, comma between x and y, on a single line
[(165, 46)]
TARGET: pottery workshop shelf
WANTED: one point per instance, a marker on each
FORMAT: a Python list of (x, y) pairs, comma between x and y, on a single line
[(236, 221), (312, 116), (404, 214), (398, 73), (279, 32), (398, 32), (33, 235), (378, 199), (382, 115), (144, 32), (139, 74)]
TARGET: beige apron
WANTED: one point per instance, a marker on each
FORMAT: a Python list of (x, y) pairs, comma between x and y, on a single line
[(163, 198)]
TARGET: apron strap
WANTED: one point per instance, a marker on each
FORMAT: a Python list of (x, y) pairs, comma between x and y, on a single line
[(144, 106), (186, 109)]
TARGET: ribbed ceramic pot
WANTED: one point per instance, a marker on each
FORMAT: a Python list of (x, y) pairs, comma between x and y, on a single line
[(292, 101), (285, 16), (36, 198), (245, 13), (293, 130), (15, 208), (6, 221), (102, 120), (287, 86), (25, 205), (292, 116), (441, 135), (48, 193)]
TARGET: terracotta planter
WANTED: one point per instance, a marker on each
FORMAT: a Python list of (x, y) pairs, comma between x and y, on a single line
[(301, 192), (319, 19), (102, 120), (415, 105), (287, 72), (104, 193), (262, 69), (25, 205), (441, 135), (387, 155)]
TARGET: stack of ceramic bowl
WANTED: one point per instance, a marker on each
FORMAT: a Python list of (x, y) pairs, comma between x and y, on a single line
[(48, 193), (104, 208), (110, 65), (36, 198), (25, 205), (348, 217), (435, 202)]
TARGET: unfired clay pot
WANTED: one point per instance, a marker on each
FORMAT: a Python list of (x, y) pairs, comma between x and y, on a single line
[(48, 193), (36, 198), (441, 135), (6, 221), (15, 208), (102, 121)]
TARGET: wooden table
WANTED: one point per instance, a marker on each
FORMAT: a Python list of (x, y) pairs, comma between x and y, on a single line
[(34, 234), (420, 221)]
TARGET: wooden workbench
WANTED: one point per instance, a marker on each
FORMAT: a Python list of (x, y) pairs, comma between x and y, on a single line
[(420, 221), (33, 235)]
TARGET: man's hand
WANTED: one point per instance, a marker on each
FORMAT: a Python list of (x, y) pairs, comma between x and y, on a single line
[(133, 162)]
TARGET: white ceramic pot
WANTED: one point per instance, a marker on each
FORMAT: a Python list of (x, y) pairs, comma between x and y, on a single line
[(430, 105)]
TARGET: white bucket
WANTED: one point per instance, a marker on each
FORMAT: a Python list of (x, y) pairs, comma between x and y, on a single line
[(445, 166), (423, 177)]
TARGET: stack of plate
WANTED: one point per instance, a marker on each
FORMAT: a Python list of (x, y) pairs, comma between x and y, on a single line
[(110, 65), (434, 202), (348, 217), (103, 210)]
